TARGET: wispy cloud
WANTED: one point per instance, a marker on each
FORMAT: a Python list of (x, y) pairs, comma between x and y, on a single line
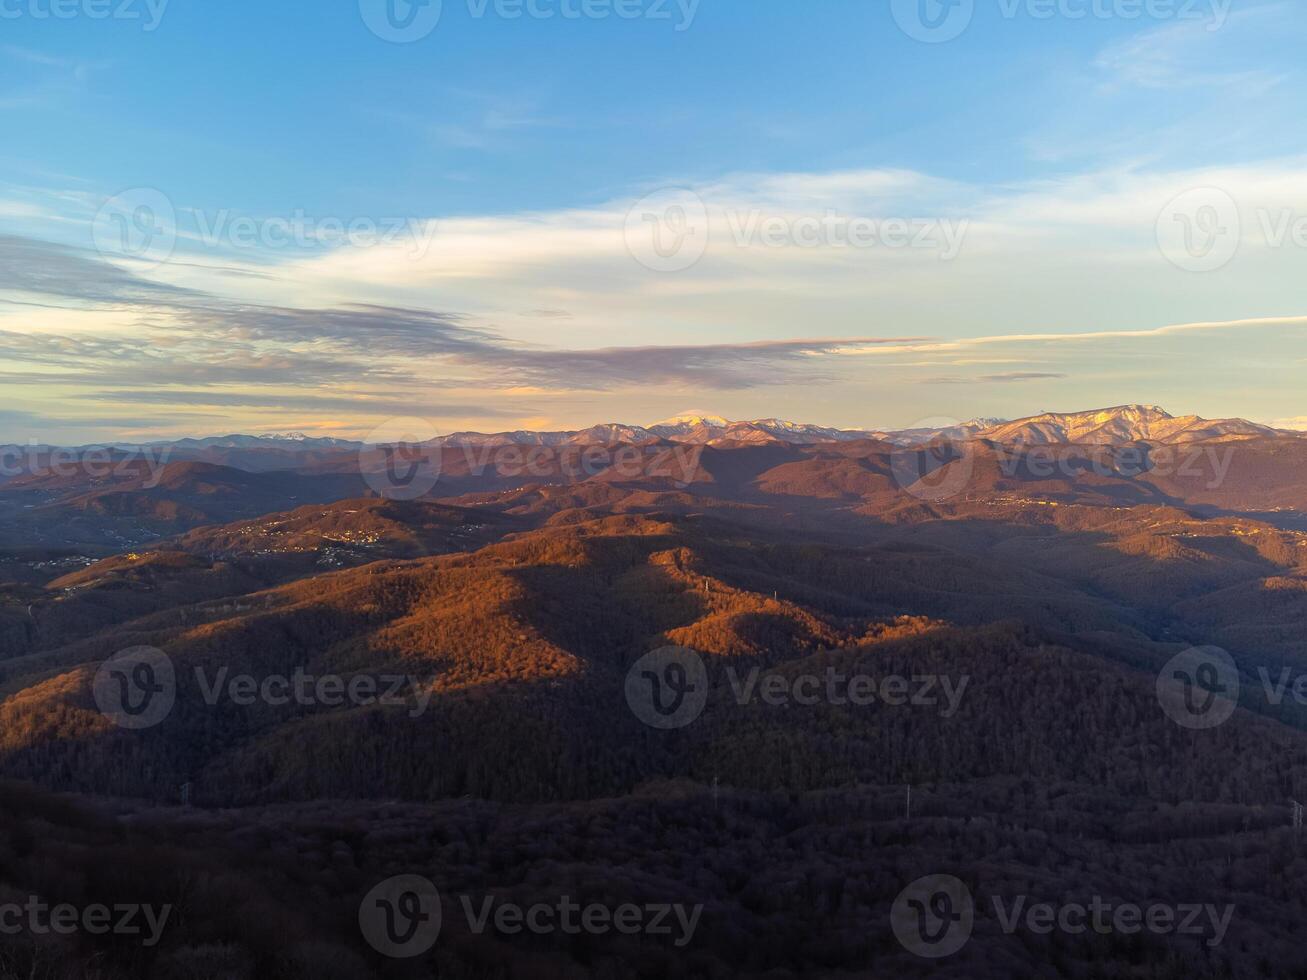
[(1009, 378), (190, 337), (1188, 55), (721, 366), (467, 119), (49, 78), (38, 268), (291, 401)]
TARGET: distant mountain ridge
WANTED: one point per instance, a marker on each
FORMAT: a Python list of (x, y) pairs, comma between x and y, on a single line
[(1111, 426), (1125, 423), (1121, 424)]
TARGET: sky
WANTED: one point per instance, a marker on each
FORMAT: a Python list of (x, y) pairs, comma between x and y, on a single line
[(502, 214)]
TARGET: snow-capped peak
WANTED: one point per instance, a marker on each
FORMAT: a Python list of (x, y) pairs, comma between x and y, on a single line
[(285, 436), (695, 419)]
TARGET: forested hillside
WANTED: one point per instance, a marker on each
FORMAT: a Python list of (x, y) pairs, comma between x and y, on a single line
[(1008, 640)]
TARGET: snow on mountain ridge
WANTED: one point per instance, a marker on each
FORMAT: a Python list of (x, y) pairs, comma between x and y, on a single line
[(1122, 424), (693, 419)]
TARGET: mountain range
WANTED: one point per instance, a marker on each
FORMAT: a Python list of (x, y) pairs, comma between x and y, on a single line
[(1108, 426), (1112, 426)]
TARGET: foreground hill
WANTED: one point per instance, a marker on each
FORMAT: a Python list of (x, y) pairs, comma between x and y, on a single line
[(224, 561), (516, 655), (791, 884)]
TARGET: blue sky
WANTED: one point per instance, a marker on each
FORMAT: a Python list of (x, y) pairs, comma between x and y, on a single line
[(1020, 196)]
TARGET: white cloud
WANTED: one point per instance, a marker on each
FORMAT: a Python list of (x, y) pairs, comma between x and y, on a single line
[(1053, 278)]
